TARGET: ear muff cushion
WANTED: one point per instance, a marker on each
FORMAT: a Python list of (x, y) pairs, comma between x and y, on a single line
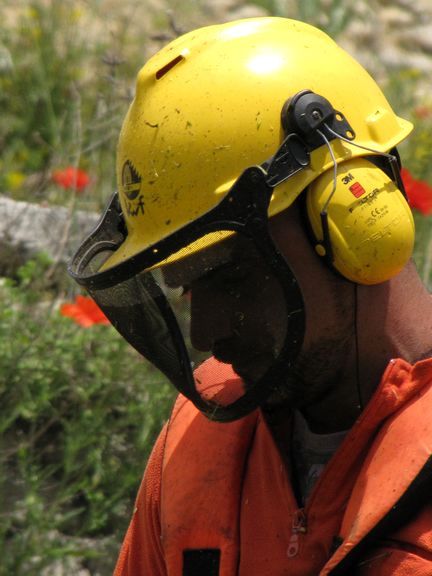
[(371, 228)]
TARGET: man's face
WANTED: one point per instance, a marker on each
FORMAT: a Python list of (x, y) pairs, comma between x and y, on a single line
[(239, 313), (237, 306)]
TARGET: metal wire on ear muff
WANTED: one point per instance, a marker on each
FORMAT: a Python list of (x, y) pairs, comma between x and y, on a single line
[(393, 159)]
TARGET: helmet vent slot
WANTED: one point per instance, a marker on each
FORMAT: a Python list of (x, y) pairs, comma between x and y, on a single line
[(162, 71)]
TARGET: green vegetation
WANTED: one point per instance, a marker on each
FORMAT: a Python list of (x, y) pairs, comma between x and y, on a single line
[(79, 413), (63, 95), (416, 154)]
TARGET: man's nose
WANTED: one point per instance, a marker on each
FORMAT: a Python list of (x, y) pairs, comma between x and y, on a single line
[(210, 319)]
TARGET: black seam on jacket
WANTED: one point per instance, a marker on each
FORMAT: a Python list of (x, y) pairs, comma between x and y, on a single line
[(416, 496)]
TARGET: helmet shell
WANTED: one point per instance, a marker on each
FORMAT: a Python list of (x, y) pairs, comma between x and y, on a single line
[(208, 106)]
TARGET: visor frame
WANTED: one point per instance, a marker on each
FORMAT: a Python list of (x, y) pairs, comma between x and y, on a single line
[(243, 210)]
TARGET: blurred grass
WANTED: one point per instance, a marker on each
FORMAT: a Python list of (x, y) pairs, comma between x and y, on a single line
[(79, 410), (415, 152), (79, 413), (63, 97)]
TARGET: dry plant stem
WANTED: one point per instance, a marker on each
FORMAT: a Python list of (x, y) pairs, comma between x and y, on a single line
[(427, 269), (178, 30), (25, 349), (32, 441), (98, 143), (77, 125)]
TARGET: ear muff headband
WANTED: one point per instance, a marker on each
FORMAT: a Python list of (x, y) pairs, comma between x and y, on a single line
[(368, 232)]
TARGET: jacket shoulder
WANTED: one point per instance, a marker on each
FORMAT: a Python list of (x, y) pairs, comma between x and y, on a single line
[(390, 505)]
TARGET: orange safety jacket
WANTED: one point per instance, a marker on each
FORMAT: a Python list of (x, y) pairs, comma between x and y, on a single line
[(216, 499)]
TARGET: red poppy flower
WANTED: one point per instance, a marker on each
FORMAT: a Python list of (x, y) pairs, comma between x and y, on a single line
[(423, 112), (84, 312), (71, 178), (419, 193)]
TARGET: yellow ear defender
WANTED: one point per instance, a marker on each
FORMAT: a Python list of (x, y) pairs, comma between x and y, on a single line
[(361, 221)]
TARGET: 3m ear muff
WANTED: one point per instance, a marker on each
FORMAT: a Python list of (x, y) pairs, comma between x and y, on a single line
[(366, 230), (359, 218)]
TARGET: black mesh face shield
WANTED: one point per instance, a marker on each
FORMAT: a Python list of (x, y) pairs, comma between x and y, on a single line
[(218, 291), (218, 288)]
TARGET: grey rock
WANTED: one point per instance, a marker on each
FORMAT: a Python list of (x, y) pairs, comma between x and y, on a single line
[(26, 229), (418, 37), (247, 11), (396, 58), (395, 17)]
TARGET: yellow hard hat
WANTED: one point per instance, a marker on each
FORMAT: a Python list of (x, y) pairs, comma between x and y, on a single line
[(229, 125), (209, 104)]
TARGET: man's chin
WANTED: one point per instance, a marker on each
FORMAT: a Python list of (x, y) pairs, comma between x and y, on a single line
[(252, 369)]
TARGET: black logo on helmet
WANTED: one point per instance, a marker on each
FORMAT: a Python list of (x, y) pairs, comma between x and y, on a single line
[(131, 180)]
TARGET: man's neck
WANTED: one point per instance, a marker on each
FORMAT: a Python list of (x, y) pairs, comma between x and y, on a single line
[(394, 320)]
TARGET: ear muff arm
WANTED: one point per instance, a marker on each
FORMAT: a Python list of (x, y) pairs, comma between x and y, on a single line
[(394, 164), (326, 237)]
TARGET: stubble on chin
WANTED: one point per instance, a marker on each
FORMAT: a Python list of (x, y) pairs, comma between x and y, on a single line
[(314, 374)]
